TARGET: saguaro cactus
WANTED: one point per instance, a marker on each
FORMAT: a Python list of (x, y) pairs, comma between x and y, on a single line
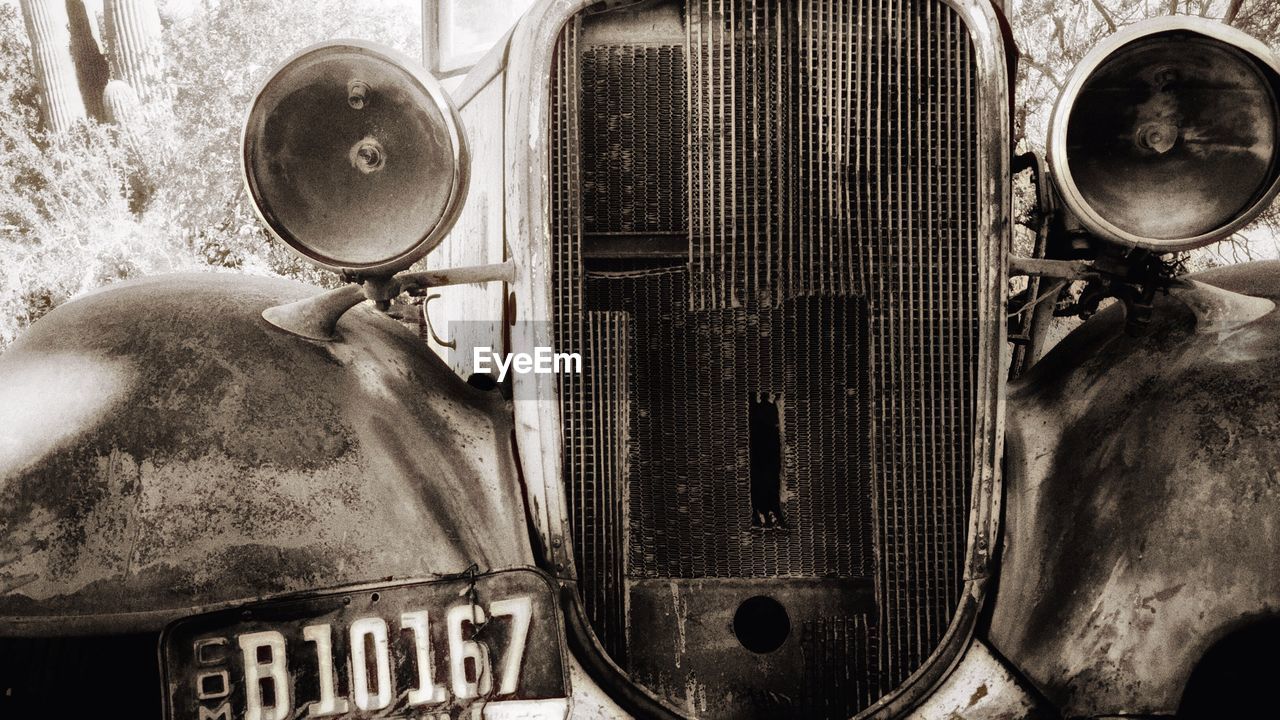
[(120, 105), (134, 45), (47, 27)]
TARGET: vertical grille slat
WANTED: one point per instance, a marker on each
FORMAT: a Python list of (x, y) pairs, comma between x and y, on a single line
[(599, 536), (820, 159)]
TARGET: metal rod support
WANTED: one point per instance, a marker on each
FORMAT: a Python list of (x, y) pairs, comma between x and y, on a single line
[(316, 318), (1064, 269), (419, 281)]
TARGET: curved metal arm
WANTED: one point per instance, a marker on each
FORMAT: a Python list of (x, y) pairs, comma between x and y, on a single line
[(426, 316), (1217, 310), (316, 318)]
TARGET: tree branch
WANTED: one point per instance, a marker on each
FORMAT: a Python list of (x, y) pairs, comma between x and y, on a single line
[(1059, 33), (1232, 11), (1043, 69), (1106, 15)]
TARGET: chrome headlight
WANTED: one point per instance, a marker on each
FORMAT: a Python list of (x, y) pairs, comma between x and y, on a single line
[(1165, 135)]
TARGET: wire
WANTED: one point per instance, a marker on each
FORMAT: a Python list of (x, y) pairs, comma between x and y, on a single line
[(1053, 290)]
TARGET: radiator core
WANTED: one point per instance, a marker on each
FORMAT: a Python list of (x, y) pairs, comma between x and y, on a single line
[(771, 207)]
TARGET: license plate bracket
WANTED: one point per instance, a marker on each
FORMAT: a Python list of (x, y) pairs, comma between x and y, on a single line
[(394, 650)]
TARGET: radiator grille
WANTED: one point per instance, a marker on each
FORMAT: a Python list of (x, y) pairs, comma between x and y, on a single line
[(831, 646), (829, 202), (598, 446), (633, 160), (692, 377), (773, 100)]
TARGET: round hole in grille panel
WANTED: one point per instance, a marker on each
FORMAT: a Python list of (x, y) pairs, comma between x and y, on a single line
[(765, 221), (761, 624)]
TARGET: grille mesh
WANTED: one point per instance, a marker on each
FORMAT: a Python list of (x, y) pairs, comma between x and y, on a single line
[(633, 167), (831, 647), (693, 375), (831, 207), (601, 418)]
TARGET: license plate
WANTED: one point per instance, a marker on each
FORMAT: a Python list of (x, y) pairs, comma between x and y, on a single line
[(425, 650)]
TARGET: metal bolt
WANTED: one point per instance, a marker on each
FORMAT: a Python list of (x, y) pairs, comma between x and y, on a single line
[(1157, 136), (1164, 76), (357, 93), (367, 156)]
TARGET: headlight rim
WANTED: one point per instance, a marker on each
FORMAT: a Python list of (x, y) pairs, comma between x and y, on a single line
[(461, 157), (1059, 167)]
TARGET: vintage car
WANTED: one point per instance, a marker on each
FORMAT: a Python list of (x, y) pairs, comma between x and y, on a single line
[(809, 462)]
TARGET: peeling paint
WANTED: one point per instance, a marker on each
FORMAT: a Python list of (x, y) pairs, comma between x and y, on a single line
[(681, 613), (981, 687), (695, 694)]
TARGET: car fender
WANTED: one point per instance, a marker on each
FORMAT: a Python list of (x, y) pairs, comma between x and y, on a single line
[(164, 451), (1143, 483)]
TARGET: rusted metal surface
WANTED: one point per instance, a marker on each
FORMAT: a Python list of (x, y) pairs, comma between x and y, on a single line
[(982, 687), (590, 702), (1141, 509), (162, 449), (754, 648)]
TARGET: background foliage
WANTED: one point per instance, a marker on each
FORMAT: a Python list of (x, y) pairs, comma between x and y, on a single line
[(67, 223), (100, 205)]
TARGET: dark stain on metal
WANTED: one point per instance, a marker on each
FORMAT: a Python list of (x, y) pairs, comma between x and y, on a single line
[(978, 694)]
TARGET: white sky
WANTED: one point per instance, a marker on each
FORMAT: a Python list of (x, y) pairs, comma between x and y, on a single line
[(478, 23), (178, 9)]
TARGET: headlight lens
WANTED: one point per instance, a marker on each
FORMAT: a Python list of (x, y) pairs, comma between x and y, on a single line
[(1166, 136), (355, 157)]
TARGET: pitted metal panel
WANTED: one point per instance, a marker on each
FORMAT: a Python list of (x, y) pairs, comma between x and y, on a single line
[(1142, 500), (162, 448)]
